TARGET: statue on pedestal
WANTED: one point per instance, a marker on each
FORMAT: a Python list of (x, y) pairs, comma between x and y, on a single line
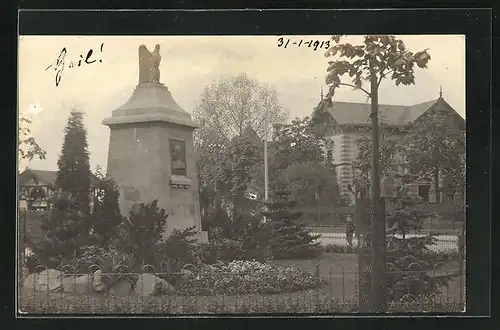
[(149, 65)]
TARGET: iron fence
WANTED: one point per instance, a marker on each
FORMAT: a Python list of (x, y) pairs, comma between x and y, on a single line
[(446, 239), (65, 290), (447, 215)]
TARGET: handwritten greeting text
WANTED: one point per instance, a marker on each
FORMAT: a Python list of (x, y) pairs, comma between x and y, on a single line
[(314, 44), (60, 63)]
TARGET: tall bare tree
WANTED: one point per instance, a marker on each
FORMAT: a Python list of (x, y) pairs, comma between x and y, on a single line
[(225, 110), (232, 104)]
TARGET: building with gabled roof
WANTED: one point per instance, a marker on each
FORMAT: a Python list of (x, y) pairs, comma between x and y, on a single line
[(350, 121), (36, 187)]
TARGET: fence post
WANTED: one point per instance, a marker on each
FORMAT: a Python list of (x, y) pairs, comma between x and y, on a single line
[(461, 277)]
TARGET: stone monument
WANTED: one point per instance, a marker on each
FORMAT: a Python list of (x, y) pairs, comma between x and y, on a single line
[(151, 153)]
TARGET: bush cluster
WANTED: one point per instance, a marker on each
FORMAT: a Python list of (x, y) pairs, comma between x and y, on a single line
[(222, 249), (336, 248), (247, 277)]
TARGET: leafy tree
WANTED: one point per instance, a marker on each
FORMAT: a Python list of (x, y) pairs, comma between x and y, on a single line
[(106, 216), (74, 175), (436, 149), (142, 231), (294, 143), (229, 106), (411, 264), (242, 156), (298, 162), (225, 110), (289, 236), (28, 148), (378, 57), (312, 185), (209, 161), (390, 146)]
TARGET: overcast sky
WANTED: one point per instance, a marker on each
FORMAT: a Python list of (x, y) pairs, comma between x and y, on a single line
[(188, 65)]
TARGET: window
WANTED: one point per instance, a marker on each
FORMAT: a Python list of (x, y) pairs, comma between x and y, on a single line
[(37, 193), (423, 191), (178, 157)]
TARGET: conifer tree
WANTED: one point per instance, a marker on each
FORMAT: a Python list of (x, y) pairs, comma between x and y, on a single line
[(64, 232), (412, 266), (66, 226), (74, 175), (289, 236), (106, 217)]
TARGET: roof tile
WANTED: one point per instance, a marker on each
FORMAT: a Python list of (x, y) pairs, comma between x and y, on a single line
[(358, 113)]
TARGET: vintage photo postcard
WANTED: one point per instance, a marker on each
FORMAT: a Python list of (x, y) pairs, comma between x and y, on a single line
[(277, 174)]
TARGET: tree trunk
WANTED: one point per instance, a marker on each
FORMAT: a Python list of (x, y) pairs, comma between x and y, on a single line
[(378, 296), (437, 193), (362, 218)]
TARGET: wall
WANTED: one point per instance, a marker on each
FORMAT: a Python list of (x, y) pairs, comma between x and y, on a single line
[(139, 162)]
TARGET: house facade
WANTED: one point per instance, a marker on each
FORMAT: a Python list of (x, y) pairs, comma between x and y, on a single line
[(37, 187), (350, 122)]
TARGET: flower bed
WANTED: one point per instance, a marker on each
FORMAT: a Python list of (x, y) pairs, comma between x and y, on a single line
[(247, 277)]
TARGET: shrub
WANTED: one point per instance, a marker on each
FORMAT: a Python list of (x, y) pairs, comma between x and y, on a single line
[(181, 246), (244, 237), (114, 264), (179, 250), (91, 256), (142, 231), (247, 277), (222, 249), (106, 259), (335, 248)]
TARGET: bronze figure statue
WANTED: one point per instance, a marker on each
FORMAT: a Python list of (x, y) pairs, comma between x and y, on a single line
[(149, 65)]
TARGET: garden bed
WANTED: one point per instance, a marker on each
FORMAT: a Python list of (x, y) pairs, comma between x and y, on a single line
[(248, 277)]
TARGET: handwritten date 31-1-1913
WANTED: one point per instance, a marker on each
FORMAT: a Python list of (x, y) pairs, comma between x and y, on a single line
[(314, 44)]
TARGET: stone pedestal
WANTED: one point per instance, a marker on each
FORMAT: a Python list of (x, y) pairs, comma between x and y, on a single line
[(151, 156)]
